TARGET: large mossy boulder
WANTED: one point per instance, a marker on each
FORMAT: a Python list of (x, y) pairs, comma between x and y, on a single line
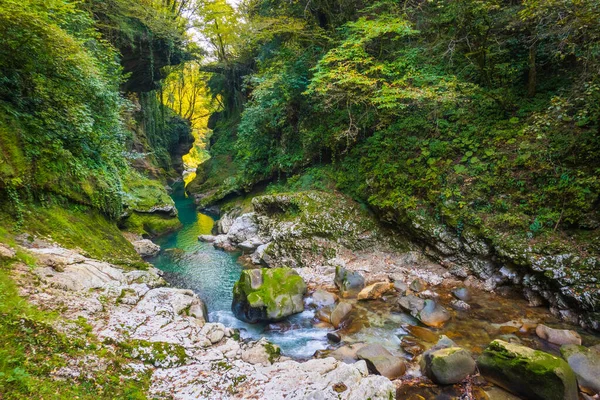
[(529, 373), (268, 295)]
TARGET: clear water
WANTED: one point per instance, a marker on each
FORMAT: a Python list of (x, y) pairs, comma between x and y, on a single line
[(190, 264)]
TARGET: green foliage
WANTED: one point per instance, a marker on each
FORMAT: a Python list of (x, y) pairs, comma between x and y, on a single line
[(481, 114), (59, 116)]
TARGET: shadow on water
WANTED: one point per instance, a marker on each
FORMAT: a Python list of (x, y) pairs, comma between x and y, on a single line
[(190, 264)]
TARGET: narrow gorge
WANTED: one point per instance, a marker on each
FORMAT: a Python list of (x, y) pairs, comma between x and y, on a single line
[(313, 199)]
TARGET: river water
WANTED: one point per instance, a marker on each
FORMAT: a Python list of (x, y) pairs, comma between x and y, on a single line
[(191, 264)]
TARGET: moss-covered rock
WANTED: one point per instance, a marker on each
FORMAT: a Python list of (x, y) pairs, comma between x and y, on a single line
[(448, 365), (264, 295), (526, 372)]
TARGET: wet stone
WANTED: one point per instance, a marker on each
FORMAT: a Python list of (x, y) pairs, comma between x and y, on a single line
[(334, 337), (460, 305), (558, 336), (462, 293), (381, 361)]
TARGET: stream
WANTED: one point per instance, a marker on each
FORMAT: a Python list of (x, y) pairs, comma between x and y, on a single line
[(191, 264), (211, 273)]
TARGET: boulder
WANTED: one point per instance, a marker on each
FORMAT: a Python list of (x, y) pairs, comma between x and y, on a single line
[(448, 365), (558, 336), (146, 248), (334, 337), (433, 314), (339, 313), (529, 373), (323, 298), (248, 246), (400, 287), (381, 362), (243, 228), (375, 291), (586, 365), (268, 295), (350, 283)]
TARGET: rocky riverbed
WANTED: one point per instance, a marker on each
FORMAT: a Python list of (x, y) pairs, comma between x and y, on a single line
[(397, 324), (379, 299)]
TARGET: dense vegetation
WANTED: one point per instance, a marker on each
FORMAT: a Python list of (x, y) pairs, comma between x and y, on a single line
[(84, 137), (66, 128), (474, 113)]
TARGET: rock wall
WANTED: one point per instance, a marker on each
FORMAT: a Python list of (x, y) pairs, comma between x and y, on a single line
[(566, 281)]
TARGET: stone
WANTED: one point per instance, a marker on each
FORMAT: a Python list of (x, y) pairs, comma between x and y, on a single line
[(261, 352), (207, 238), (243, 228), (380, 361), (350, 283), (460, 305), (334, 337), (417, 286), (586, 365), (6, 251), (423, 333), (250, 245), (340, 312), (528, 373), (558, 336), (448, 365), (400, 287), (268, 295), (375, 291), (412, 304), (433, 314), (461, 293), (348, 353), (411, 346), (258, 257), (323, 298), (146, 248)]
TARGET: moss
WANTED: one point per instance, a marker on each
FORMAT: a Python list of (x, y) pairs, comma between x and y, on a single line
[(273, 299), (73, 226), (142, 193), (273, 351), (150, 225), (158, 354), (278, 285)]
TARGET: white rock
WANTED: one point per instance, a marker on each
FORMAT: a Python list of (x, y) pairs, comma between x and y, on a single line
[(146, 248)]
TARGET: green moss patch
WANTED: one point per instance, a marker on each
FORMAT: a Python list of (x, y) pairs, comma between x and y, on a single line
[(150, 225)]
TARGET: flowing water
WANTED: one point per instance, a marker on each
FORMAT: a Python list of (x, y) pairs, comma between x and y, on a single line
[(191, 264), (211, 273)]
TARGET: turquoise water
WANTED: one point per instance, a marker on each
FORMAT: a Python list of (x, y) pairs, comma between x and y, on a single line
[(190, 264)]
